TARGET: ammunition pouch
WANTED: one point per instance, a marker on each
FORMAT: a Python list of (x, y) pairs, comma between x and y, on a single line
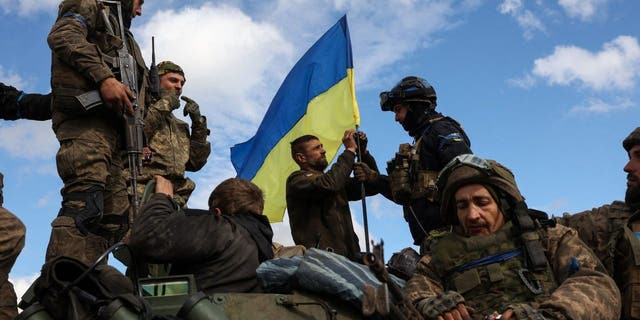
[(425, 186), (400, 185)]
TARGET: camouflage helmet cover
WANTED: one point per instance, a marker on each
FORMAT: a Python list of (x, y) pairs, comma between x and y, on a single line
[(165, 67), (632, 139), (470, 169)]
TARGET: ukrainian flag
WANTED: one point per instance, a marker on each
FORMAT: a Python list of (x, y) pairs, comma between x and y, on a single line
[(317, 97)]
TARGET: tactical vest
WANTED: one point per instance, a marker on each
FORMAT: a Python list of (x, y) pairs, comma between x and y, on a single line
[(490, 271)]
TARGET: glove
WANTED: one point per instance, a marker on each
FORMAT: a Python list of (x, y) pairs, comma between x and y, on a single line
[(523, 311), (363, 142), (431, 308), (363, 173), (191, 108)]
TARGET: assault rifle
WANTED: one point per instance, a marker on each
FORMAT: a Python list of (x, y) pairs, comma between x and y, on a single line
[(125, 71)]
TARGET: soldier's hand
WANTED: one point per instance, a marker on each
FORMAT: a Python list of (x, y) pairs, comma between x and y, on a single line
[(164, 186), (349, 141), (191, 108), (116, 95), (363, 141), (363, 173)]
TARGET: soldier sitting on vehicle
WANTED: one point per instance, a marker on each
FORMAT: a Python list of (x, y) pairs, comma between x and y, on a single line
[(503, 259), (221, 247)]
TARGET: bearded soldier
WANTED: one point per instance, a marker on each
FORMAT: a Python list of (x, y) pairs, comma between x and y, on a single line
[(173, 149), (612, 232), (93, 55), (12, 234), (503, 260), (413, 171)]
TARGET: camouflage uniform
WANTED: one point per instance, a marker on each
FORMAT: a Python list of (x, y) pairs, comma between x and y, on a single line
[(495, 272), (95, 203), (318, 206), (15, 104), (174, 150), (12, 233), (607, 230)]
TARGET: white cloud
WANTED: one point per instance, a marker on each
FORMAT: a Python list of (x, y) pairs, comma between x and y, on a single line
[(595, 105), (582, 9), (525, 82), (616, 66), (527, 20), (21, 284), (11, 78), (27, 7), (282, 231), (42, 143)]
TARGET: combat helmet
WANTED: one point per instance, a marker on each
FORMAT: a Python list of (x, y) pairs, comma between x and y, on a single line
[(632, 139), (469, 169), (409, 89)]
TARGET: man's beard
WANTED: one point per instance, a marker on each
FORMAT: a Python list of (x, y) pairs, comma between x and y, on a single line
[(632, 197), (319, 165)]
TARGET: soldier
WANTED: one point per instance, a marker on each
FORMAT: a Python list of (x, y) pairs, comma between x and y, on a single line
[(437, 140), (221, 247), (503, 260), (318, 201), (611, 232), (15, 104), (12, 233), (172, 147), (84, 41)]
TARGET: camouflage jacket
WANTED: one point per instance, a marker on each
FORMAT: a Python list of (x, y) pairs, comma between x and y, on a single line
[(318, 205), (15, 104), (83, 54), (606, 230), (174, 149), (222, 255), (584, 290)]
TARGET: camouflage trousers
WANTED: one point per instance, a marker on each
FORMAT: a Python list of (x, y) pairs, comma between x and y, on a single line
[(12, 233), (90, 156)]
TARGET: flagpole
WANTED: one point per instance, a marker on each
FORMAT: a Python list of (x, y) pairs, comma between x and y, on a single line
[(363, 195)]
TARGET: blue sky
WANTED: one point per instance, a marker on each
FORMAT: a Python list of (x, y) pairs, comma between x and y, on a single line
[(548, 88)]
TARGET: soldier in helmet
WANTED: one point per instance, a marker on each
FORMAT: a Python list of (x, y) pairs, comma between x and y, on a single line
[(12, 234), (86, 42), (15, 104), (503, 260), (437, 140), (611, 232), (172, 148)]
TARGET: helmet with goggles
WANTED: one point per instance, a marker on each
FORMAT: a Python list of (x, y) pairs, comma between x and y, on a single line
[(470, 169), (409, 89)]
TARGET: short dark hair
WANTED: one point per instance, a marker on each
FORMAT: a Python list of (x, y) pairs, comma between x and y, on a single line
[(237, 195), (297, 145)]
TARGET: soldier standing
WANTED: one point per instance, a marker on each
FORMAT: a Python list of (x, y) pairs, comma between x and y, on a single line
[(318, 201), (172, 147), (85, 41), (612, 232), (12, 233), (437, 140), (502, 260)]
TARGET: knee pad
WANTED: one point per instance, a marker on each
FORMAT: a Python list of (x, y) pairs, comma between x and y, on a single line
[(91, 214)]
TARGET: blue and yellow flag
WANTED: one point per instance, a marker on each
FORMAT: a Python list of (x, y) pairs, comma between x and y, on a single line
[(317, 97)]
